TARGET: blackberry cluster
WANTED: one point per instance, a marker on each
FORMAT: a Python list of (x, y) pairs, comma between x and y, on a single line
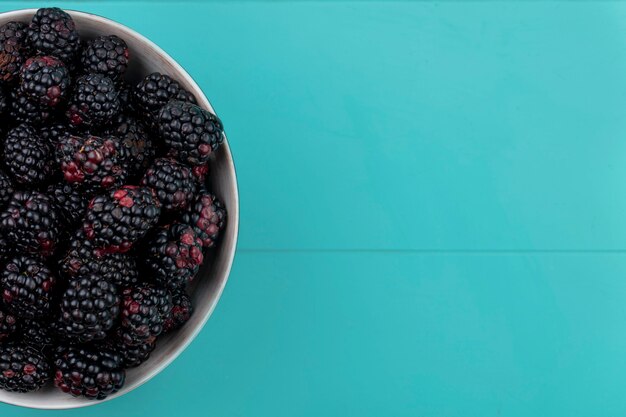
[(105, 215)]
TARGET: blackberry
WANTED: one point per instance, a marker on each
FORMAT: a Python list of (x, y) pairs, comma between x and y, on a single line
[(53, 32), (94, 102), (45, 79), (144, 309), (71, 203), (22, 368), (136, 145), (8, 325), (91, 372), (91, 163), (207, 216), (189, 132), (115, 221), (107, 55), (180, 313), (173, 256), (38, 334), (13, 49), (53, 132), (6, 189), (90, 307), (132, 355), (30, 223), (173, 182), (154, 91), (28, 287), (25, 110), (26, 156)]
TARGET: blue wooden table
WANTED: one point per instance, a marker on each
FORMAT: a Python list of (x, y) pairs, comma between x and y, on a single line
[(433, 200)]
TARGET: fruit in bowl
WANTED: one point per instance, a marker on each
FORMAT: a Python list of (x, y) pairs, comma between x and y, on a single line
[(111, 230)]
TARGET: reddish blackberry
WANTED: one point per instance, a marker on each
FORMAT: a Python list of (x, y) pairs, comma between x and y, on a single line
[(28, 287), (27, 157), (13, 49), (115, 221), (200, 173), (30, 223), (144, 309), (173, 256), (132, 355), (52, 133), (94, 102), (53, 32), (107, 55), (189, 132), (90, 307), (6, 189), (180, 313), (136, 145), (22, 368), (154, 91), (8, 325), (173, 182), (91, 372), (25, 110), (91, 163), (45, 79), (37, 333), (207, 216), (72, 203)]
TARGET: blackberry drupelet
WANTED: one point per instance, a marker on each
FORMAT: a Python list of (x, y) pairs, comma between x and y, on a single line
[(71, 202), (44, 79), (107, 55), (173, 256), (6, 189), (8, 325), (154, 91), (13, 49), (28, 287), (22, 368), (23, 109), (91, 163), (31, 223), (90, 307), (144, 309), (207, 216), (53, 32), (115, 221), (136, 145), (132, 355), (94, 102), (27, 156), (180, 313), (92, 372), (173, 182), (189, 132)]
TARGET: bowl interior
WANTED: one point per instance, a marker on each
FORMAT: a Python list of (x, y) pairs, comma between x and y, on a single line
[(207, 288)]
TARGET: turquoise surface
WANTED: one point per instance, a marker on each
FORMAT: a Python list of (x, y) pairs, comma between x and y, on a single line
[(433, 208)]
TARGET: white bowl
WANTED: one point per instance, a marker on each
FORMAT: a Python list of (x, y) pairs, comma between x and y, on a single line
[(146, 57)]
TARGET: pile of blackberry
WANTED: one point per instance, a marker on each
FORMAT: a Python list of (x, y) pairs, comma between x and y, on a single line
[(105, 215)]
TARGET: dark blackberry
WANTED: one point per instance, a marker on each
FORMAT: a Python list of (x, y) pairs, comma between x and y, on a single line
[(107, 55), (91, 163), (207, 216), (115, 221), (53, 132), (13, 49), (38, 334), (136, 145), (81, 259), (94, 102), (90, 307), (45, 80), (144, 309), (30, 223), (132, 355), (22, 368), (91, 372), (28, 287), (173, 182), (26, 156), (173, 256), (53, 32), (154, 91), (70, 201), (189, 132), (23, 109), (8, 325), (180, 313), (6, 189)]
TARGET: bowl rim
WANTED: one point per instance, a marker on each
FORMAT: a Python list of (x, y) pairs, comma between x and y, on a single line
[(233, 215)]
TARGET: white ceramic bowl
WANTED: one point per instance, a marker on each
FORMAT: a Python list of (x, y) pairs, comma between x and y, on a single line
[(146, 57)]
